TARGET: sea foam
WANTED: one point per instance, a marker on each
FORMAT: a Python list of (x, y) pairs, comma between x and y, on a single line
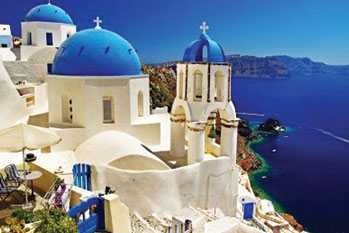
[(332, 135)]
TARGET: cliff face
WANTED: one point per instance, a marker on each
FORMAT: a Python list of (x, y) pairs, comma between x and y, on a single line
[(162, 81), (257, 67), (306, 66)]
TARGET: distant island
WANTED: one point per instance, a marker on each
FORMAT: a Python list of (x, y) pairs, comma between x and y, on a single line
[(281, 67), (276, 67)]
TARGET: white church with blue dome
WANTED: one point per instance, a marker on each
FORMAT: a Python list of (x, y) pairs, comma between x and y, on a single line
[(89, 88), (101, 87), (45, 26)]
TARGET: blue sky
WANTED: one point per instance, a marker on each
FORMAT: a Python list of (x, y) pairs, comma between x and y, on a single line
[(161, 29)]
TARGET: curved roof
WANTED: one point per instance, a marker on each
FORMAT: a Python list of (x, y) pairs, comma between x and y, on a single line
[(120, 150), (194, 52), (48, 13), (96, 52)]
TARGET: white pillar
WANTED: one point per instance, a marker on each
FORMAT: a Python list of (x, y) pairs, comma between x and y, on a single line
[(178, 138), (196, 143), (229, 134)]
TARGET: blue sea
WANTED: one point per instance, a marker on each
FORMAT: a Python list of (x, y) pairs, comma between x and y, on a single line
[(308, 174)]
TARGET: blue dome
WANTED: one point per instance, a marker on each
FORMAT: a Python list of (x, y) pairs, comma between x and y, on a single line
[(96, 52), (194, 52), (48, 13)]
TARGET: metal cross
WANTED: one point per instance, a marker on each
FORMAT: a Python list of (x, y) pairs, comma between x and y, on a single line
[(204, 27), (49, 2), (98, 22)]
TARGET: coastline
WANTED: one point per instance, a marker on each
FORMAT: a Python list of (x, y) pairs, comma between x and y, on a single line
[(264, 168)]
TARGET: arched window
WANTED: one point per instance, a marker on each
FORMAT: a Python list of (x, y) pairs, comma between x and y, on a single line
[(180, 84), (140, 104), (68, 35), (67, 109), (198, 85), (108, 110), (219, 80)]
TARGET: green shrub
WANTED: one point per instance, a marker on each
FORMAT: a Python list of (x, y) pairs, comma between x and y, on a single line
[(26, 215), (54, 221)]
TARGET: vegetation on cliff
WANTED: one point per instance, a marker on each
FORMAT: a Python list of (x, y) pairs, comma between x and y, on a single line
[(162, 81)]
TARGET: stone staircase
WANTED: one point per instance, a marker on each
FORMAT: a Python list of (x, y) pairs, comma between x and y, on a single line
[(162, 223), (150, 224), (203, 221)]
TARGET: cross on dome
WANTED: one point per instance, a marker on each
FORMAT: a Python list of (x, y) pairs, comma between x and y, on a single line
[(98, 22), (49, 2), (204, 27)]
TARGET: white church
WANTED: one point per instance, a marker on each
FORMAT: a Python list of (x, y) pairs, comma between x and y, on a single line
[(88, 86)]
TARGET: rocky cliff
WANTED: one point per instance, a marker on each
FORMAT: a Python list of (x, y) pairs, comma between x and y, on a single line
[(257, 67), (162, 81), (306, 66)]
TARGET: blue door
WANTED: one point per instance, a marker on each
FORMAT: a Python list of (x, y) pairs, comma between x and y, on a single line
[(49, 38), (248, 210)]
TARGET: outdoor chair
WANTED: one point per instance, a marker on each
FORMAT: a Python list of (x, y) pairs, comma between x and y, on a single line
[(13, 176), (6, 191)]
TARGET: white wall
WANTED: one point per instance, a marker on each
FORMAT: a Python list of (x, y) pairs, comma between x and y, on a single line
[(209, 184), (7, 55), (12, 108), (87, 97), (137, 85), (38, 31), (41, 102), (23, 70), (5, 30)]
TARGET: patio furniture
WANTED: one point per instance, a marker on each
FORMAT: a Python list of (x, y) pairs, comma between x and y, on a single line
[(33, 175), (6, 190), (23, 137), (12, 176)]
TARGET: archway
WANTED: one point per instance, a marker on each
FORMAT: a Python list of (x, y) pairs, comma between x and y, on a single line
[(140, 104), (223, 123), (219, 80), (213, 133), (198, 76)]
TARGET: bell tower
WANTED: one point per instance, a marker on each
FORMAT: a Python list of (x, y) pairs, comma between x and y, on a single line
[(203, 103)]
